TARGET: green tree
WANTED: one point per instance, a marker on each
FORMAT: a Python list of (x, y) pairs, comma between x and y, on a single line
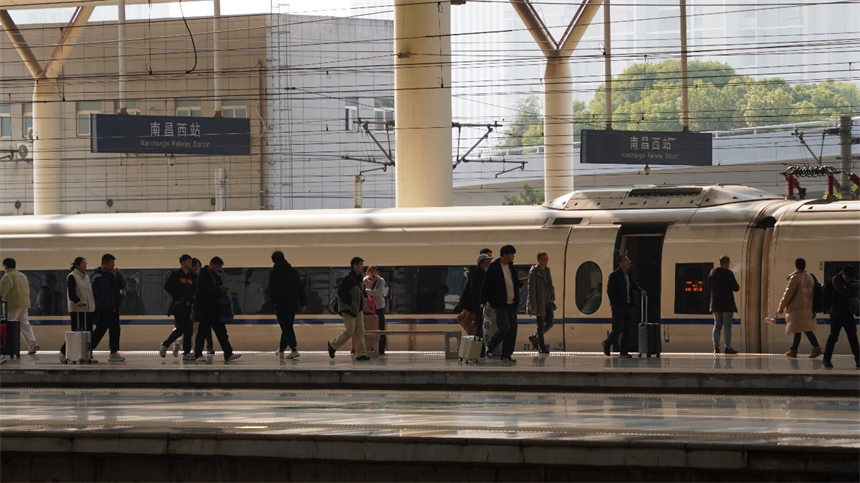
[(528, 196), (529, 113)]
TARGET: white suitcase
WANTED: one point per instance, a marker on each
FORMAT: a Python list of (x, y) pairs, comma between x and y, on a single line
[(470, 348), (79, 344)]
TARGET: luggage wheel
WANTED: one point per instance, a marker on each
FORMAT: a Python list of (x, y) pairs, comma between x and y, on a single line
[(640, 355), (649, 356)]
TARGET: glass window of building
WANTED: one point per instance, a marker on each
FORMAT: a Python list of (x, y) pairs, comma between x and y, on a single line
[(132, 108), (85, 110), (5, 121), (235, 107), (383, 111), (189, 107), (589, 288), (350, 114), (27, 120)]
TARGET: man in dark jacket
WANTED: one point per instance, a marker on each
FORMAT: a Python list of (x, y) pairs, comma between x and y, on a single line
[(287, 294), (350, 302), (181, 286), (501, 289), (621, 288), (209, 290), (722, 285), (108, 285), (846, 298)]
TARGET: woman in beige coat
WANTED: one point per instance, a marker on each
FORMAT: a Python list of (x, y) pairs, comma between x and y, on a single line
[(797, 304)]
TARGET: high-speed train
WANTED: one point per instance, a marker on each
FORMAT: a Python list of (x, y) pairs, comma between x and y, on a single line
[(674, 235)]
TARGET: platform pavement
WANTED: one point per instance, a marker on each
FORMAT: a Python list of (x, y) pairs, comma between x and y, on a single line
[(743, 374)]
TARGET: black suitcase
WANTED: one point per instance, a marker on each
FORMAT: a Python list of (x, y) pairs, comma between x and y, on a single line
[(649, 333), (10, 335)]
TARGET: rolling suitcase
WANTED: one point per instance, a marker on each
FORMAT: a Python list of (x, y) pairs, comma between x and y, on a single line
[(470, 348), (649, 333), (489, 323), (79, 342), (10, 338)]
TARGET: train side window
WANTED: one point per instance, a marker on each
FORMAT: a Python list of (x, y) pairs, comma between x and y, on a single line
[(255, 294), (402, 290), (691, 296), (432, 294), (832, 268), (235, 278), (523, 275), (132, 298), (589, 287), (47, 292), (317, 284)]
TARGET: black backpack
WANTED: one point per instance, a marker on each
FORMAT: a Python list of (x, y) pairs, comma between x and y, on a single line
[(818, 306)]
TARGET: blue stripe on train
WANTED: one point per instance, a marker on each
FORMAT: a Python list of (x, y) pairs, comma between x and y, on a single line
[(389, 319)]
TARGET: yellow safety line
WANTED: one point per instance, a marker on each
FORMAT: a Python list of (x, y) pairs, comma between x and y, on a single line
[(406, 427)]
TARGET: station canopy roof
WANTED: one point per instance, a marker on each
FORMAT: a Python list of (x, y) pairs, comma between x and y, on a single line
[(31, 4)]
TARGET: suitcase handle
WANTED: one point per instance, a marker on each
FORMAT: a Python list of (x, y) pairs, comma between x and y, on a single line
[(78, 321), (643, 317)]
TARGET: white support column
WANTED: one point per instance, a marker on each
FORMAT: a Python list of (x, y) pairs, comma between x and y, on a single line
[(422, 103), (216, 48), (47, 166), (558, 128), (123, 100), (607, 67)]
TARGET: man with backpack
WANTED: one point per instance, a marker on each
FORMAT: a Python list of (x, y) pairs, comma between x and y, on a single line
[(844, 303)]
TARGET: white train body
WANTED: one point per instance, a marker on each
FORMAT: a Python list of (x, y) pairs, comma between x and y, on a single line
[(674, 235)]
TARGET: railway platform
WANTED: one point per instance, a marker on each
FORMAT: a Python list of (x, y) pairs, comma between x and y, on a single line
[(743, 374), (417, 417)]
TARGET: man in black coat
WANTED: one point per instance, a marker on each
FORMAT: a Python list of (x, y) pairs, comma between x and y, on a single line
[(843, 308), (108, 285), (287, 294), (621, 288), (721, 285), (209, 290), (501, 289), (181, 285)]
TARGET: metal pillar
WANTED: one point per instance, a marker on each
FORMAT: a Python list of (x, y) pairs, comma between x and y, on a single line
[(216, 52), (845, 155), (558, 97), (422, 103), (47, 143), (607, 67), (123, 100), (685, 100)]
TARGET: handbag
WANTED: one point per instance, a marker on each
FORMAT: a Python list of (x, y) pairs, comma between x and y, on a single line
[(467, 321), (333, 305), (180, 308)]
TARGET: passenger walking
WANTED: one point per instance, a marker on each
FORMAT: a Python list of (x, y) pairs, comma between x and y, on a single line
[(350, 301), (181, 286), (541, 302), (287, 294), (375, 289), (797, 303), (501, 289), (107, 285), (721, 285), (844, 307), (621, 288), (15, 290), (209, 290), (81, 301), (196, 265)]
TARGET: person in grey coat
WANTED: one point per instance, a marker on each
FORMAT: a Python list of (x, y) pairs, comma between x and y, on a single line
[(541, 302)]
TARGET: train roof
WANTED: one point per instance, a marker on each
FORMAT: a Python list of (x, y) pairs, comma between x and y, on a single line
[(658, 197)]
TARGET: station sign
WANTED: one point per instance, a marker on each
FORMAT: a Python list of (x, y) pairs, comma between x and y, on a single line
[(646, 147), (110, 133)]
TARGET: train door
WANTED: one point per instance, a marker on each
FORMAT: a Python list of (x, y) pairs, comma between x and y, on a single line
[(643, 244)]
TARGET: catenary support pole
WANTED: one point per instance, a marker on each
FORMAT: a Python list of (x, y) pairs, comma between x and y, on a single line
[(607, 68), (216, 61), (845, 155), (123, 73), (685, 100), (422, 103)]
